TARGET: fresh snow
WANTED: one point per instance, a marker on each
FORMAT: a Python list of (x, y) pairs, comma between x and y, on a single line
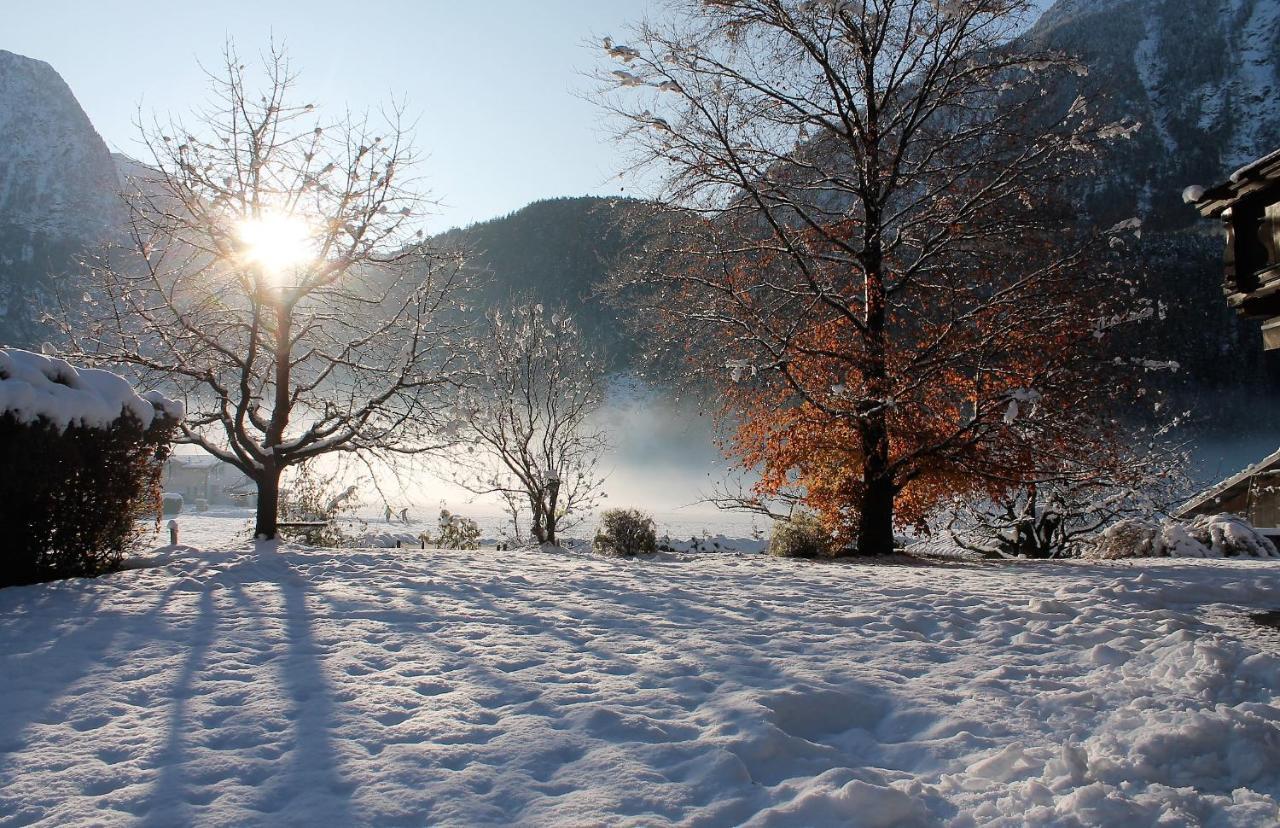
[(306, 686), (34, 386)]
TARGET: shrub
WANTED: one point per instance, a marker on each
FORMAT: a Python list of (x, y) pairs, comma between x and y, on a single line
[(625, 532), (1231, 536), (802, 536), (171, 504), (310, 498), (456, 532), (82, 455), (1123, 539), (71, 500), (1206, 536)]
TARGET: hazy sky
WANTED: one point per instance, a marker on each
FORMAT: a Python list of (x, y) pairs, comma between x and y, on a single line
[(492, 84)]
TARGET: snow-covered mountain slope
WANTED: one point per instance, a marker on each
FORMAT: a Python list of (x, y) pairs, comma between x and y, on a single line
[(1203, 77), (57, 177)]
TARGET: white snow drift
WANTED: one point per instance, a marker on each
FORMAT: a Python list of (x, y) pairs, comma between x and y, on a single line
[(35, 386), (483, 688)]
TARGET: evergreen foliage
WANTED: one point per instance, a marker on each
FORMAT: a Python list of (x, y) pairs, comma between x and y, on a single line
[(71, 502), (803, 535), (456, 532), (625, 532)]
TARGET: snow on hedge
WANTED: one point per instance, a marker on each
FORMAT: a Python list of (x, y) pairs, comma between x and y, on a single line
[(35, 386)]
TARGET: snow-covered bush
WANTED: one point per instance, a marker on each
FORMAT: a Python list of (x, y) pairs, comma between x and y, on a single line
[(1230, 536), (1122, 539), (1065, 511), (456, 532), (1207, 536), (625, 532), (82, 455), (1172, 540), (801, 536)]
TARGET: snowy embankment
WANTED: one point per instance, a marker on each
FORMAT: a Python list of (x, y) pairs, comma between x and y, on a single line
[(347, 687)]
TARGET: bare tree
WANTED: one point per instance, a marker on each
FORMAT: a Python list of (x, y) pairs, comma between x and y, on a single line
[(865, 250), (536, 388), (1047, 517), (275, 281)]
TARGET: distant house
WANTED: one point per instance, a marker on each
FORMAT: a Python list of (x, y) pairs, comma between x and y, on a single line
[(1248, 204), (203, 477)]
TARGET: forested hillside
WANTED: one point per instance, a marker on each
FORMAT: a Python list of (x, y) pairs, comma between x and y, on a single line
[(556, 252)]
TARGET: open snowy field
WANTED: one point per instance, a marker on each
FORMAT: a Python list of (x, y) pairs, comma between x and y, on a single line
[(222, 527), (321, 687)]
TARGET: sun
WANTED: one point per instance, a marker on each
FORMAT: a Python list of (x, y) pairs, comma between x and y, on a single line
[(278, 243)]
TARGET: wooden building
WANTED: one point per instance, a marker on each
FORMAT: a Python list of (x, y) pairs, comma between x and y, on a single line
[(1248, 204), (1253, 493)]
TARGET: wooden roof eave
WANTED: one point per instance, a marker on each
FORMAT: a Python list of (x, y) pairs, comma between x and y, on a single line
[(1258, 175), (1228, 487)]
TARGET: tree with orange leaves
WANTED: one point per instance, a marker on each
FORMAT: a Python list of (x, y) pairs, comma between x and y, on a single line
[(865, 251)]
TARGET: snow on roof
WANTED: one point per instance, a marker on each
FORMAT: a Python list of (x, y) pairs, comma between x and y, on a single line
[(1248, 169), (195, 461), (1210, 497), (1257, 174), (35, 386)]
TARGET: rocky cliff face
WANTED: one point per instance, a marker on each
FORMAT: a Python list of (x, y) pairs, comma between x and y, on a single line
[(58, 185), (57, 177), (1203, 77)]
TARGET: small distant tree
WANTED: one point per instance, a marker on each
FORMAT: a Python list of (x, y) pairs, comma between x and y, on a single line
[(275, 281), (310, 497), (865, 250), (456, 532), (528, 412)]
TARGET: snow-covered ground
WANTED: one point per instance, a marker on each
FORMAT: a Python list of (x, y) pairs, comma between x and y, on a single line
[(220, 527), (323, 687)]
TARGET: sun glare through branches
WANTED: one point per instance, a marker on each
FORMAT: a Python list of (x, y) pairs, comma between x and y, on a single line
[(276, 243)]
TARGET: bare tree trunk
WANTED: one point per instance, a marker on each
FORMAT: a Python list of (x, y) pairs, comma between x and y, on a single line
[(268, 516), (875, 521), (875, 518), (537, 521), (553, 495), (266, 526)]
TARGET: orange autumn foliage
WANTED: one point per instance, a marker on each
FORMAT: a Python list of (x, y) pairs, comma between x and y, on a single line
[(950, 388)]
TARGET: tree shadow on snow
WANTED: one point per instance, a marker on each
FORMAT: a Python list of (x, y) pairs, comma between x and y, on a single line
[(304, 780)]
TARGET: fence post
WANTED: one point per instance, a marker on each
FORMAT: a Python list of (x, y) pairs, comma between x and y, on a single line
[(173, 533)]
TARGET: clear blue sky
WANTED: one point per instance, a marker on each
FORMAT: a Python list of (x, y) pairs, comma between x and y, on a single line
[(492, 84)]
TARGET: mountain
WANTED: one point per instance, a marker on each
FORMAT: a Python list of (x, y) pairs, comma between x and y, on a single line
[(58, 185), (557, 252), (57, 177), (1203, 78)]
